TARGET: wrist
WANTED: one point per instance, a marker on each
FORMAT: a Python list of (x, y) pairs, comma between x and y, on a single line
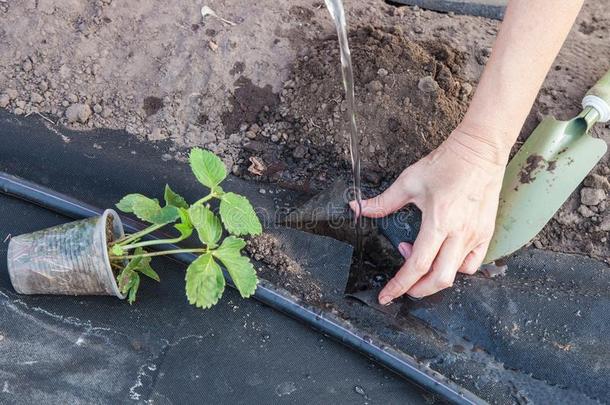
[(486, 145)]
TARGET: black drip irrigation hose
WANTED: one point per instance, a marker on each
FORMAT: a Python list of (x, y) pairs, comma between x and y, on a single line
[(326, 323)]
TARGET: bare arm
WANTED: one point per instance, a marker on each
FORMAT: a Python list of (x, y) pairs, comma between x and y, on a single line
[(528, 42), (457, 185)]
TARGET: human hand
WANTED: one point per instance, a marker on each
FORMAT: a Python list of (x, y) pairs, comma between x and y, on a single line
[(456, 187)]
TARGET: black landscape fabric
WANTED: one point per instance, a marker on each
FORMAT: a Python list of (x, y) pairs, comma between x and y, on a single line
[(539, 334), (84, 350)]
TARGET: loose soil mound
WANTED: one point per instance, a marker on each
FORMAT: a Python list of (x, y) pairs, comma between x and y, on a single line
[(407, 97), (410, 96)]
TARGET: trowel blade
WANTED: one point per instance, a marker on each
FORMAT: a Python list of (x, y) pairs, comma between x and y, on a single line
[(553, 161)]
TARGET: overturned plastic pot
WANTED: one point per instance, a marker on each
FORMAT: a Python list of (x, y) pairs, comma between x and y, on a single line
[(68, 259)]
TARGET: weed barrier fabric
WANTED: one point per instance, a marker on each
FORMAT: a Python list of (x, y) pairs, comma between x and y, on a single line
[(538, 334), (84, 350), (99, 168)]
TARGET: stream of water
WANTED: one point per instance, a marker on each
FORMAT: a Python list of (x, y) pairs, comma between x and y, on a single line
[(335, 7)]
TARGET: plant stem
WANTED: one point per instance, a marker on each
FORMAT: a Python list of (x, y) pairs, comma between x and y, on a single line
[(165, 252), (153, 242), (206, 198), (139, 234)]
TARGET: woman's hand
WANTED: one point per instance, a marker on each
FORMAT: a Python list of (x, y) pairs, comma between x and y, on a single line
[(457, 185), (457, 188)]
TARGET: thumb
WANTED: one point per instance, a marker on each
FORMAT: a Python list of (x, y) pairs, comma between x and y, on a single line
[(391, 200)]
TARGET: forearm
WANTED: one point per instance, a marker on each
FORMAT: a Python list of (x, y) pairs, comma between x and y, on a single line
[(530, 38)]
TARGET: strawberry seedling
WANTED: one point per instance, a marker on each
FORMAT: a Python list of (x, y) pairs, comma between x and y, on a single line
[(205, 281)]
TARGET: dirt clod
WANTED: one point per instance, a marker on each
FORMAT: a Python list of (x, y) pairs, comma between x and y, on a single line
[(78, 113), (592, 196), (152, 105), (427, 84), (247, 102), (597, 181)]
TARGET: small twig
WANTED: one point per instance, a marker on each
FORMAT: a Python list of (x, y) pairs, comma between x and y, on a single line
[(46, 118), (7, 238), (313, 123), (205, 11)]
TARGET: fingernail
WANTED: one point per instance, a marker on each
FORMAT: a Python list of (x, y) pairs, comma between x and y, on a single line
[(354, 206), (404, 250), (385, 300)]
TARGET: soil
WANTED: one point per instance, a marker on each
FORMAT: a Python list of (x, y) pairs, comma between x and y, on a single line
[(109, 230), (533, 162), (115, 266), (392, 74), (285, 271), (269, 88)]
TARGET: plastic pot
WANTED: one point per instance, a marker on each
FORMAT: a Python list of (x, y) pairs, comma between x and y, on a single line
[(68, 259)]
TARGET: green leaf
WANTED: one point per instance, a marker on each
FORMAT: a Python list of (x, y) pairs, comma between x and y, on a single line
[(185, 230), (148, 271), (127, 202), (207, 167), (129, 279), (148, 209), (135, 262), (240, 268), (142, 265), (124, 280), (133, 288), (238, 215), (174, 199), (207, 224), (205, 282), (231, 245), (185, 227)]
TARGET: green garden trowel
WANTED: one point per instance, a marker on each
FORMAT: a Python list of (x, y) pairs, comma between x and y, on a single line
[(556, 157)]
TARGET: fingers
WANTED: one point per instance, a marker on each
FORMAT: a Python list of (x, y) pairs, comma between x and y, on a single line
[(391, 200), (444, 268), (423, 253), (474, 259)]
